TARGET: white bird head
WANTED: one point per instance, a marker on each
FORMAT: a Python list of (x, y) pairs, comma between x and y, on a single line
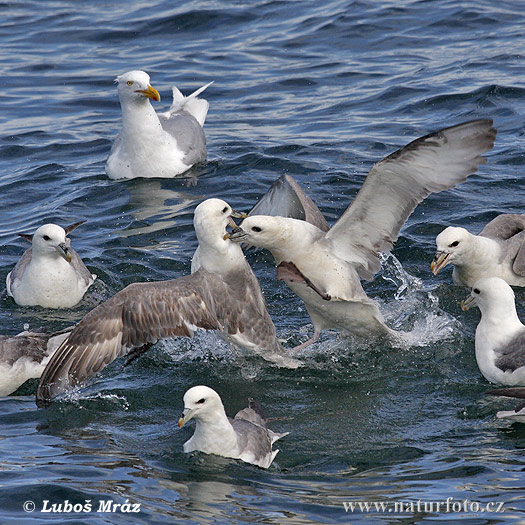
[(211, 219), (265, 231), (201, 403), (490, 295), (135, 86), (452, 244), (50, 240)]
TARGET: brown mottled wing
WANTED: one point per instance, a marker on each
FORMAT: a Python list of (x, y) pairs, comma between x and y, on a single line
[(397, 184), (509, 228), (142, 313), (285, 198)]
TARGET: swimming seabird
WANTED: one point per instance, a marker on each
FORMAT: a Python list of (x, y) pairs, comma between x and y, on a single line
[(500, 335), (325, 268), (245, 437), (50, 273), (497, 251), (154, 144), (518, 414), (24, 357), (222, 294)]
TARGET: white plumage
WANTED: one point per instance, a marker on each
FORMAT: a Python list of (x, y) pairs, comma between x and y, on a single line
[(154, 144)]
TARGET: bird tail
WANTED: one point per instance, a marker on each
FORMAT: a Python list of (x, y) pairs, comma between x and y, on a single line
[(193, 105)]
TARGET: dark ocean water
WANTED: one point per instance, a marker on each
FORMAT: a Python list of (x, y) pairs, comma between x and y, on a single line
[(318, 90)]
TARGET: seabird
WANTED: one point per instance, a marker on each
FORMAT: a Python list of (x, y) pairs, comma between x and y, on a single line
[(518, 414), (222, 294), (24, 357), (245, 437), (498, 251), (325, 268), (50, 273), (500, 335), (154, 144)]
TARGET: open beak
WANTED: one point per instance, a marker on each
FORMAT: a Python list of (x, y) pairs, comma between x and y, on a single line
[(468, 303), (150, 92), (231, 222), (439, 261), (186, 415), (237, 235), (63, 251)]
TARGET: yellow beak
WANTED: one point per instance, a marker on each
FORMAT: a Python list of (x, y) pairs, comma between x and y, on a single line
[(439, 261), (150, 92), (467, 303), (181, 422)]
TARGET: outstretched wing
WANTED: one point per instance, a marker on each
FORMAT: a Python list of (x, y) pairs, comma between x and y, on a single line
[(285, 198), (398, 183), (140, 314)]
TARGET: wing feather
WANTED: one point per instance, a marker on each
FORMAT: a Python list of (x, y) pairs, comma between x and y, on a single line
[(140, 314), (397, 184)]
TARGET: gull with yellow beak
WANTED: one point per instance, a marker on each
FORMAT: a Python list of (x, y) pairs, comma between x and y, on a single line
[(154, 144), (50, 273), (245, 437), (497, 251)]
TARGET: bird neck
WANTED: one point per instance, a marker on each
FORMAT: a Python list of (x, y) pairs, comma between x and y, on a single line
[(140, 120), (216, 431)]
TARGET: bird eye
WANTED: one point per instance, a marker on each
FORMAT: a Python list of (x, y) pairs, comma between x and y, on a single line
[(476, 291), (129, 82), (225, 209), (46, 238), (454, 244), (256, 229), (201, 401)]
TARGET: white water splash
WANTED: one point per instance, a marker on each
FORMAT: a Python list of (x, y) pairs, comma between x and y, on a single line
[(414, 311)]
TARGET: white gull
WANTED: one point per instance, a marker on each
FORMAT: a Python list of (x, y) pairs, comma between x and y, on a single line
[(50, 273), (245, 437), (325, 268), (156, 144)]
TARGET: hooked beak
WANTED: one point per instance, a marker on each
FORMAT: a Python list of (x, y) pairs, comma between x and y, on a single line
[(237, 235), (440, 260), (231, 222), (186, 415), (63, 251), (150, 92), (468, 303)]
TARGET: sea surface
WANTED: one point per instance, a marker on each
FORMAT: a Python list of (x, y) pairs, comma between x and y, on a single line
[(317, 90)]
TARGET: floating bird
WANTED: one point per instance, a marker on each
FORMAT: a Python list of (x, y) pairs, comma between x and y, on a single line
[(222, 294), (325, 268), (156, 144), (244, 437), (24, 357), (500, 335), (518, 414), (498, 251), (50, 273)]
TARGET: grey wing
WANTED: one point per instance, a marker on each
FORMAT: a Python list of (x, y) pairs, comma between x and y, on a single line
[(189, 135), (286, 198), (80, 268), (140, 314), (248, 414), (398, 183), (18, 271), (512, 356), (510, 229), (253, 439)]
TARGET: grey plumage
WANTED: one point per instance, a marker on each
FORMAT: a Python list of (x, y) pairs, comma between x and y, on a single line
[(509, 230), (189, 135), (222, 294), (512, 355), (286, 198)]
